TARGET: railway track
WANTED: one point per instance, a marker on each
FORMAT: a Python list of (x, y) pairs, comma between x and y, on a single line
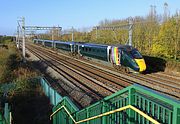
[(171, 80), (89, 86), (107, 79), (168, 84), (169, 76)]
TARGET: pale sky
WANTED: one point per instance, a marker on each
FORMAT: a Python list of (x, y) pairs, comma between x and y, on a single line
[(76, 13)]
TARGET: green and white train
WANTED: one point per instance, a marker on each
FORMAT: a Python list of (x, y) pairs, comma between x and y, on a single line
[(122, 57)]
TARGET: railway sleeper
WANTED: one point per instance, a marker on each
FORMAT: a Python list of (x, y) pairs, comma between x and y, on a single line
[(121, 68)]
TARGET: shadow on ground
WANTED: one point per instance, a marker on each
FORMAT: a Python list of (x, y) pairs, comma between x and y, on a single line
[(54, 82), (29, 105), (154, 64), (31, 108)]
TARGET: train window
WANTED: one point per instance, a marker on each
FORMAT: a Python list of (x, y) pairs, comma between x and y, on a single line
[(83, 48), (90, 49), (136, 54), (86, 49)]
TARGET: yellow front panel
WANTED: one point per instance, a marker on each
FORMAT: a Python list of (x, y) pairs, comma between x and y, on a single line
[(141, 63)]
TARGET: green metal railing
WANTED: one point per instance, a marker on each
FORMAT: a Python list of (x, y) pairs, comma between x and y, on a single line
[(159, 107), (151, 104), (107, 113), (53, 95), (5, 115), (56, 99), (65, 114)]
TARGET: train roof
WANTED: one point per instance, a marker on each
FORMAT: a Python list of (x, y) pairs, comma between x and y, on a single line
[(123, 47), (51, 41), (94, 45), (91, 44), (63, 42), (43, 40), (126, 47)]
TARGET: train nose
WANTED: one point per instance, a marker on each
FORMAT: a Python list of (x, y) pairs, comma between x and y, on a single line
[(142, 65)]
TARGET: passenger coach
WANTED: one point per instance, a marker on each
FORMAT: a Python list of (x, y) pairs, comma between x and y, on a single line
[(122, 57)]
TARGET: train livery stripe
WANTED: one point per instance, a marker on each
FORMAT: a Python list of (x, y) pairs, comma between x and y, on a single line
[(114, 55), (116, 60)]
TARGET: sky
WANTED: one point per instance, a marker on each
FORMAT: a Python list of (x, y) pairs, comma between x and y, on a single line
[(76, 13)]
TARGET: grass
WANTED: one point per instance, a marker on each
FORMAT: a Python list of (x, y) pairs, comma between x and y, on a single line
[(29, 105)]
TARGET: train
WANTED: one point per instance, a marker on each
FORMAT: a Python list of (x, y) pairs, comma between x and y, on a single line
[(122, 57)]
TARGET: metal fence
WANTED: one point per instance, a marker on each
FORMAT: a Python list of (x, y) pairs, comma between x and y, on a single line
[(56, 99), (53, 95)]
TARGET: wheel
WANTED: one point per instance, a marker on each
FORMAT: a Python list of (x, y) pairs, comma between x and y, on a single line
[(127, 70)]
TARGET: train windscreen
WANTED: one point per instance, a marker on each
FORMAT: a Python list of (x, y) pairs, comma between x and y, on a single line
[(136, 55)]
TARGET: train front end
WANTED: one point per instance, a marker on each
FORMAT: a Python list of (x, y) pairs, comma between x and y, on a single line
[(139, 60), (129, 57)]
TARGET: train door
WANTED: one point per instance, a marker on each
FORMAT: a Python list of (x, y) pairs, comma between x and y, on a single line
[(77, 48), (54, 45), (43, 43), (109, 53), (119, 56), (71, 48), (74, 48)]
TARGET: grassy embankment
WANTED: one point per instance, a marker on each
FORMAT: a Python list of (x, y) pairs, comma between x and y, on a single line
[(28, 103)]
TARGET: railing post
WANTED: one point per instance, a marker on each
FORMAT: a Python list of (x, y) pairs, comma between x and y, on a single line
[(131, 113), (87, 115), (103, 111), (176, 115), (1, 118), (54, 118), (6, 112)]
